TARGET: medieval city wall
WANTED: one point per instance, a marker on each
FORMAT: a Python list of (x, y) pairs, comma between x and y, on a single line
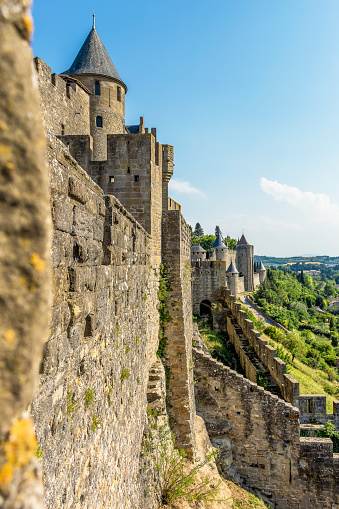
[(90, 408), (258, 437), (176, 252), (312, 406), (64, 107)]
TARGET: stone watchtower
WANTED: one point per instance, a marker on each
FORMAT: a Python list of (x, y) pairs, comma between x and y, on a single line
[(244, 262), (262, 272), (232, 276), (219, 250), (96, 71)]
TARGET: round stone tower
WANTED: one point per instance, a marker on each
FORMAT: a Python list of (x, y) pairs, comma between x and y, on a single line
[(96, 71), (262, 272), (198, 254), (232, 276), (219, 249)]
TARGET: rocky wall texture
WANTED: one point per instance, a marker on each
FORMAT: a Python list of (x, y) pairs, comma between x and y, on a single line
[(90, 408), (258, 434), (208, 278), (107, 106), (65, 107), (24, 257), (179, 329)]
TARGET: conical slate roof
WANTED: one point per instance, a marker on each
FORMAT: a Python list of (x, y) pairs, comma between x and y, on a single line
[(261, 266), (197, 249), (243, 240), (232, 269), (94, 59), (218, 242)]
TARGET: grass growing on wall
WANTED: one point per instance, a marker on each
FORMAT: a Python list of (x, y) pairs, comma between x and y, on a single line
[(215, 342), (243, 499)]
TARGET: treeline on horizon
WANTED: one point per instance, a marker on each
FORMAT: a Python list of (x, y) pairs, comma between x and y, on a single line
[(273, 261)]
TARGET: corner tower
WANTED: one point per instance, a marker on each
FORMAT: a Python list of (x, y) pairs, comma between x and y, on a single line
[(244, 261), (94, 68)]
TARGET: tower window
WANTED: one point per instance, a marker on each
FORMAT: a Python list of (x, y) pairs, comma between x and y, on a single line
[(99, 121), (111, 179), (119, 93), (62, 130), (136, 178), (97, 88)]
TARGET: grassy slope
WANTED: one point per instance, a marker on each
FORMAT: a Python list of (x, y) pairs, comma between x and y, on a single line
[(311, 381)]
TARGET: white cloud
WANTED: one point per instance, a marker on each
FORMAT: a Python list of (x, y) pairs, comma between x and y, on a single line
[(183, 187), (317, 206)]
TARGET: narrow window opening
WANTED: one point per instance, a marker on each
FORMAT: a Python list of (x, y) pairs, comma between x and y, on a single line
[(136, 178), (99, 121), (62, 130), (109, 97), (97, 88), (128, 170), (111, 179), (119, 94), (309, 406)]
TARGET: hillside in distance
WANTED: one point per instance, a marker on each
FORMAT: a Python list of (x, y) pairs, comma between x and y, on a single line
[(273, 261)]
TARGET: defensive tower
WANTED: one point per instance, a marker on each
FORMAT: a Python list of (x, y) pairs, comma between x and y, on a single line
[(244, 262), (94, 68)]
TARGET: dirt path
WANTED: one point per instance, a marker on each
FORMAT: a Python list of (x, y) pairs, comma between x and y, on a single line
[(257, 314)]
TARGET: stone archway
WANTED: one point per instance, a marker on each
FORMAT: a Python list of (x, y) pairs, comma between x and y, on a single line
[(205, 308)]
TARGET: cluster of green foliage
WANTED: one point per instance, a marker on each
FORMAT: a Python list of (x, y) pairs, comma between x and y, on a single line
[(199, 238), (329, 431), (217, 345), (291, 299), (124, 374), (168, 479), (89, 397), (164, 316)]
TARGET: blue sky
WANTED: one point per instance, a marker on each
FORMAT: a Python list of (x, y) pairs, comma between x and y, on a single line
[(246, 91)]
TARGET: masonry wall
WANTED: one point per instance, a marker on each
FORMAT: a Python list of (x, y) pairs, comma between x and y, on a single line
[(65, 108), (109, 108), (258, 435), (90, 408), (179, 330), (133, 173), (312, 406), (24, 257), (244, 263)]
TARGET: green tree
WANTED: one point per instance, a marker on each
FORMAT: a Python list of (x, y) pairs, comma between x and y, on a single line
[(198, 231), (217, 231), (231, 243)]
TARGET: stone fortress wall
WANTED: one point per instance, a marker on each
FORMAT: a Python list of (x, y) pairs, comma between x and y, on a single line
[(232, 318), (99, 364), (109, 240), (64, 104), (259, 439), (287, 470)]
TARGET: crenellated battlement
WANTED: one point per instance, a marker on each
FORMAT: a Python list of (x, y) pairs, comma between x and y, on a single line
[(312, 407), (258, 435), (65, 102)]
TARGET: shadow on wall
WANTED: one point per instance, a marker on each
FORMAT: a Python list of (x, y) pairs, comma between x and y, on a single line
[(205, 308)]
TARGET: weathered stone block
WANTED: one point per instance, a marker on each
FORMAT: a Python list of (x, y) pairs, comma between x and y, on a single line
[(62, 214), (82, 223)]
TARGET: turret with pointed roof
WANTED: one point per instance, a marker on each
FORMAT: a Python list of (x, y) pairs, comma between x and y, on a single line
[(94, 68), (219, 249), (94, 59)]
